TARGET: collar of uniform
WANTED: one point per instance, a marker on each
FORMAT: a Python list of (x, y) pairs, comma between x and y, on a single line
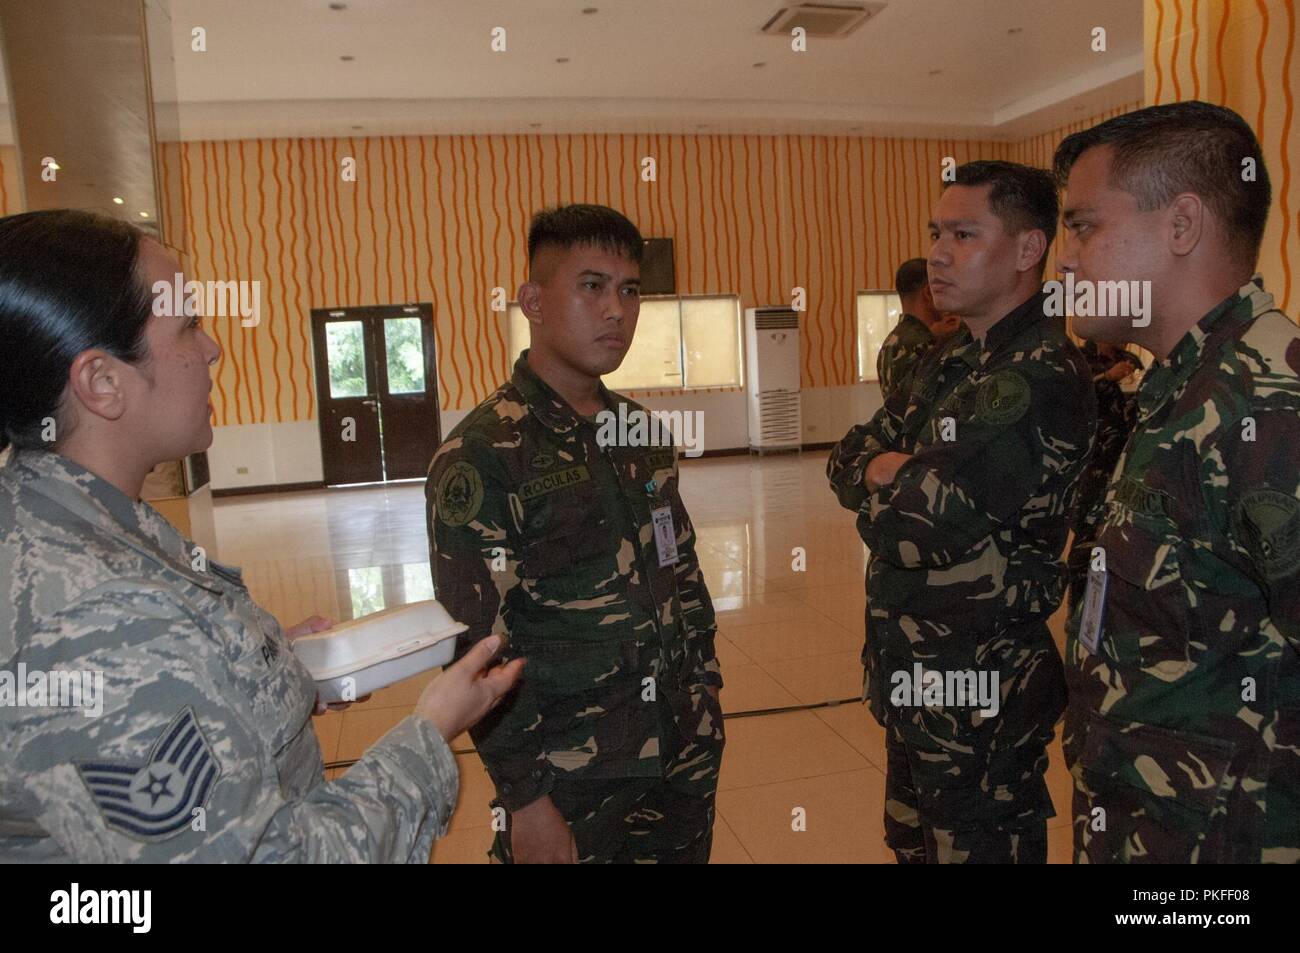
[(543, 402), (98, 502), (1001, 335), (1165, 377), (1020, 320), (913, 319)]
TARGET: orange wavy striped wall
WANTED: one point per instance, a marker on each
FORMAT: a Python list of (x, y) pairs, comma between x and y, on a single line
[(443, 219), (1241, 54)]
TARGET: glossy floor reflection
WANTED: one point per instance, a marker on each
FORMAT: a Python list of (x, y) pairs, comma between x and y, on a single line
[(789, 633)]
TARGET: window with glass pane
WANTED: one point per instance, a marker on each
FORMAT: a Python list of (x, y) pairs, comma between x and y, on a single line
[(417, 582), (346, 353), (518, 331), (404, 349), (878, 312), (655, 358), (366, 587), (679, 342), (711, 341)]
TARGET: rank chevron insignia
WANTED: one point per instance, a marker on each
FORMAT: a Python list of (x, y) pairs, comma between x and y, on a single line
[(155, 800)]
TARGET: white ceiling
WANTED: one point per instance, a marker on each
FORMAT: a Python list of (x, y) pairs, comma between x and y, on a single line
[(272, 67)]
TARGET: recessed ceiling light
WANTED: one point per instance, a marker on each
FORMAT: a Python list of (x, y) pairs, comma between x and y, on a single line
[(347, 57), (358, 127), (144, 214), (1014, 30), (935, 72), (118, 200), (759, 65), (561, 59), (589, 9), (338, 6)]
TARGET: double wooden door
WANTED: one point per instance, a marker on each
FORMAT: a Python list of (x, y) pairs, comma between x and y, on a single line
[(377, 385)]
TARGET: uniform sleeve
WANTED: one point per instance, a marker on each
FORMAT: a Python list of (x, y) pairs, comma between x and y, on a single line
[(885, 363), (1254, 490), (177, 767), (697, 607), (847, 467), (474, 552), (950, 495)]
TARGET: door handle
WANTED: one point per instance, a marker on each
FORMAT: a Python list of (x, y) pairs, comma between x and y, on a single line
[(371, 403)]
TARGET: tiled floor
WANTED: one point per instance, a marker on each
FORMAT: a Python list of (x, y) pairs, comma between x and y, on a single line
[(785, 637)]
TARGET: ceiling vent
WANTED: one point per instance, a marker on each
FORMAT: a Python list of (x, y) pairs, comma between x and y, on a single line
[(822, 19)]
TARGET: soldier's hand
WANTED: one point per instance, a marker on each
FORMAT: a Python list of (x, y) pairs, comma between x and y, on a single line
[(883, 468), (468, 690), (1119, 371), (539, 834), (316, 623)]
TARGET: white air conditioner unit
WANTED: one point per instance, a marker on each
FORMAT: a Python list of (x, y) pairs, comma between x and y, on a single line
[(772, 356)]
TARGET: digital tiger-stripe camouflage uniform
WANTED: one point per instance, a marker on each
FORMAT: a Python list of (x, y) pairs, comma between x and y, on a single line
[(965, 569), (901, 352), (540, 533), (1183, 728), (204, 749)]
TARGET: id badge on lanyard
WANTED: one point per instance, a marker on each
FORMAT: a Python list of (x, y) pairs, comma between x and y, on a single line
[(661, 517), (1094, 607)]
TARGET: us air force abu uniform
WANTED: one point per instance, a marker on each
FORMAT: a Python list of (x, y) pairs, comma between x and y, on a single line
[(965, 570), (584, 557), (1183, 731), (204, 749)]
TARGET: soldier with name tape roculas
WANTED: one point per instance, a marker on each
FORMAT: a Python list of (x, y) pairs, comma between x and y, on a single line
[(578, 549)]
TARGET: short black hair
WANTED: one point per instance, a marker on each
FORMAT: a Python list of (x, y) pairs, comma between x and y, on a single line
[(565, 226), (911, 277), (1022, 197), (1161, 151), (69, 281)]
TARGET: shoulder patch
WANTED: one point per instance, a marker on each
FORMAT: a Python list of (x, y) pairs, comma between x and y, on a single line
[(459, 494), (1002, 399), (1267, 524), (156, 800)]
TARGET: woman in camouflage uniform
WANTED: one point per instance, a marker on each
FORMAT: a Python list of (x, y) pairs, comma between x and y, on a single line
[(195, 742)]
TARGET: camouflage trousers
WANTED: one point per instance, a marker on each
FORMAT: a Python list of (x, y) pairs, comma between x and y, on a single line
[(963, 792), (629, 821)]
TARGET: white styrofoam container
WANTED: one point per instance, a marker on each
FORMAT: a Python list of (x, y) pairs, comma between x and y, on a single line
[(379, 649)]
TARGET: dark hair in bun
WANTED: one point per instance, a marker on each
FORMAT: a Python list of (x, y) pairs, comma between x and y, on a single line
[(68, 282)]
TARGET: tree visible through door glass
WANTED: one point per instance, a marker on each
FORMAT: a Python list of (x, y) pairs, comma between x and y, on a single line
[(404, 345), (345, 348)]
